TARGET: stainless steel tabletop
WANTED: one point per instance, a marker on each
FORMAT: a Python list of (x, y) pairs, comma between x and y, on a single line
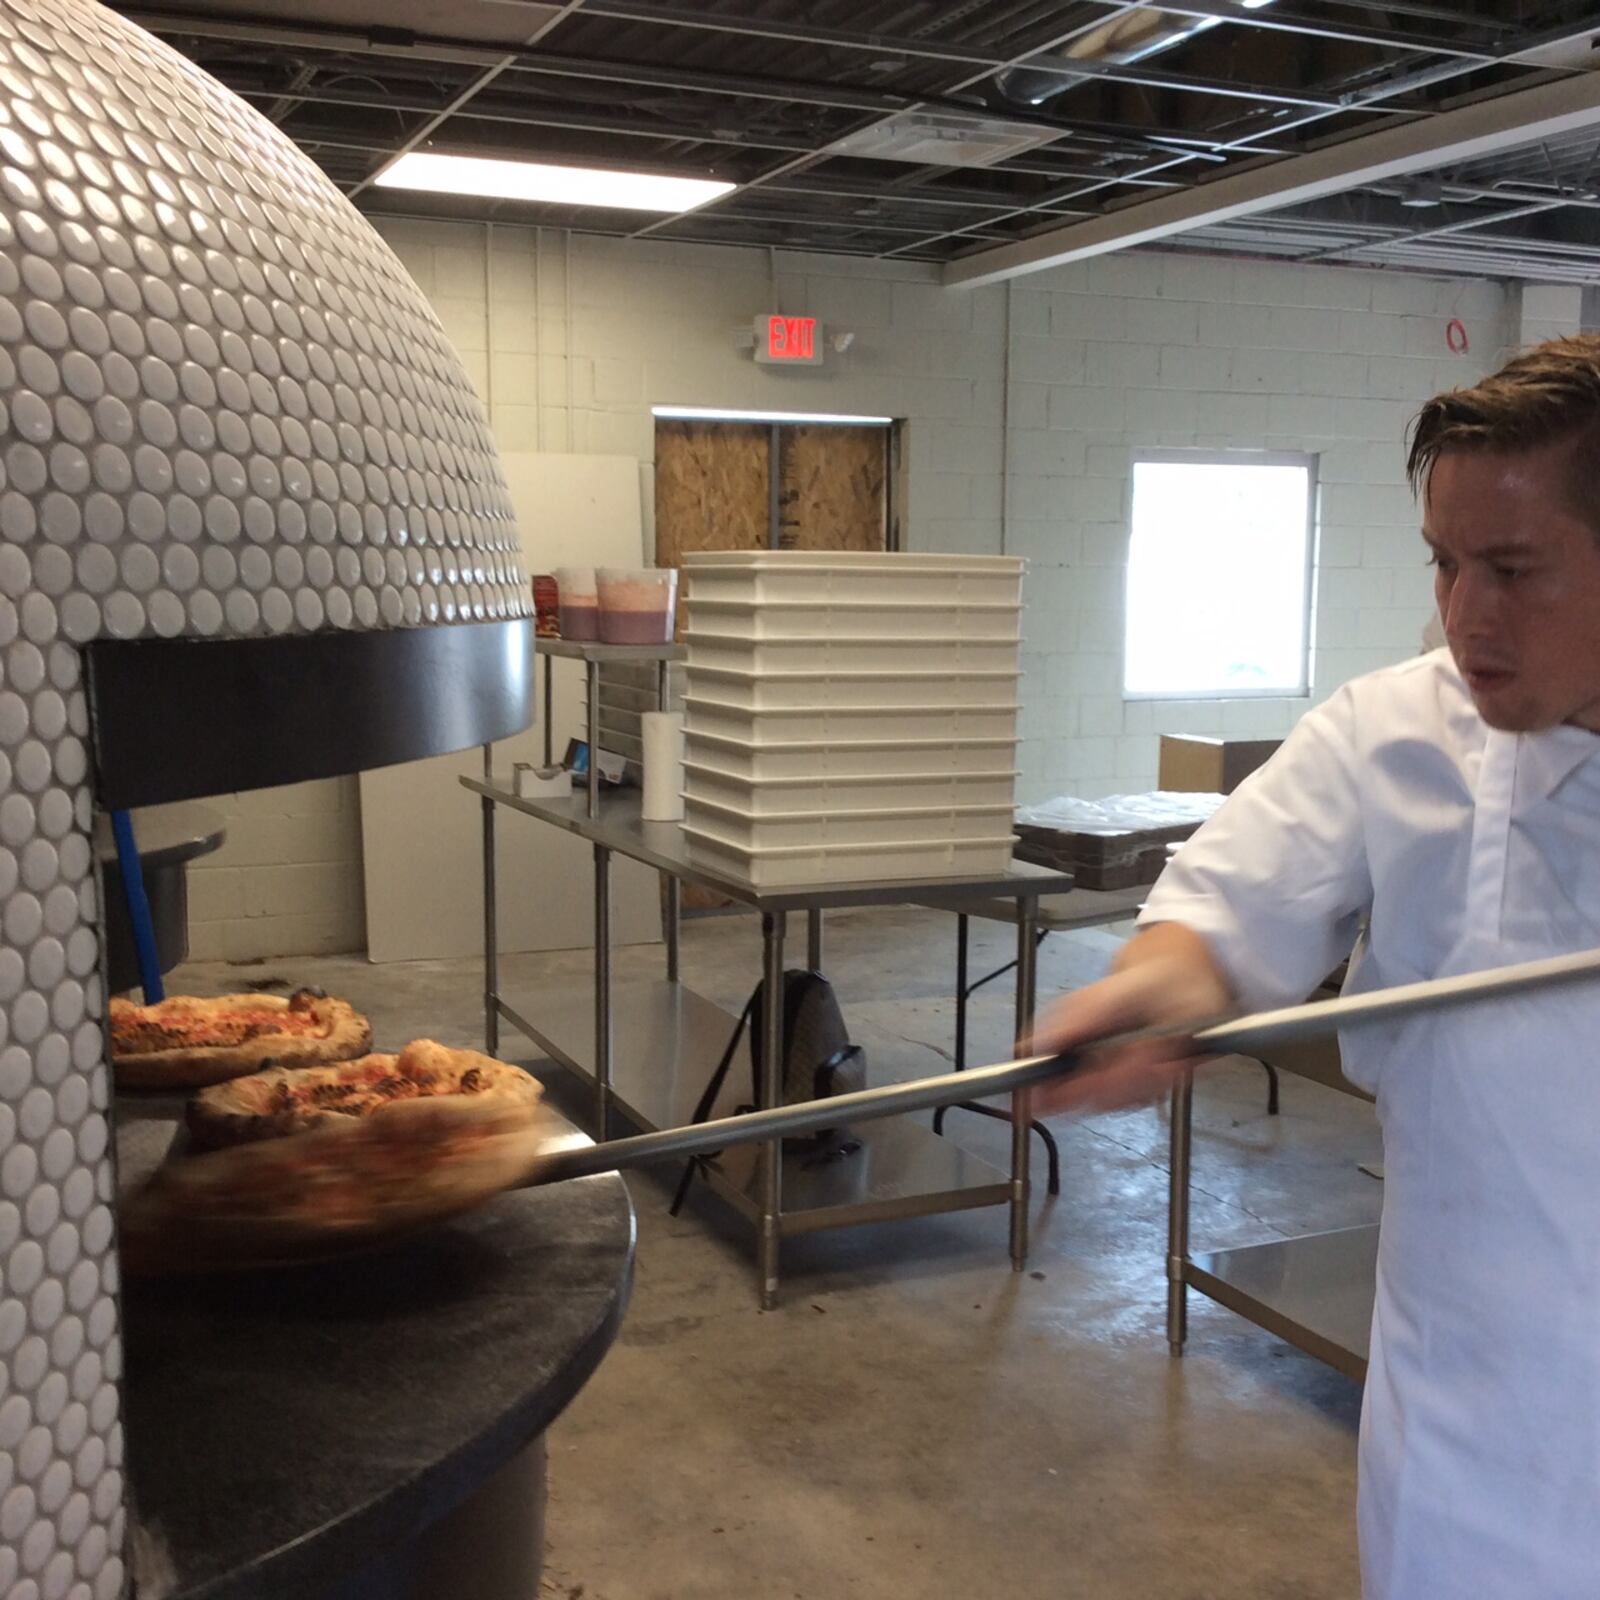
[(662, 845)]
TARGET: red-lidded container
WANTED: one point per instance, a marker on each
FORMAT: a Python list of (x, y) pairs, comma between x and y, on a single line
[(547, 606)]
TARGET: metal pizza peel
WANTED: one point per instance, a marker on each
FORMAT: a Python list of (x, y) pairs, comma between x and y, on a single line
[(1249, 1035)]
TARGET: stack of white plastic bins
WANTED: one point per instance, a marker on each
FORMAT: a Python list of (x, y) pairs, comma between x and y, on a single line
[(851, 716)]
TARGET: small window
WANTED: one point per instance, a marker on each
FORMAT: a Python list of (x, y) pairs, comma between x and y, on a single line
[(1219, 575)]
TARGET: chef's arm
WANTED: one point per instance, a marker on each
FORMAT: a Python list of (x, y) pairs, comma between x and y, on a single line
[(1163, 977)]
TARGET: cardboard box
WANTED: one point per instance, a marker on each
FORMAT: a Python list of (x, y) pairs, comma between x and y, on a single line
[(1192, 764)]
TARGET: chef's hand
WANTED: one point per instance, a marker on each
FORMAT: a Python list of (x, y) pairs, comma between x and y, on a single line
[(1164, 977)]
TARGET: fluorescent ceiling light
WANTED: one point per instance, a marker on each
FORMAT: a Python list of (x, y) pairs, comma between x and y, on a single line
[(719, 414), (538, 180)]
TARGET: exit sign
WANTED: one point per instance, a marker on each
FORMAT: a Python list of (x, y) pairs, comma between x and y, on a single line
[(788, 341)]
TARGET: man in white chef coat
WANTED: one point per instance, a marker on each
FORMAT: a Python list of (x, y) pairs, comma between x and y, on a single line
[(1447, 812)]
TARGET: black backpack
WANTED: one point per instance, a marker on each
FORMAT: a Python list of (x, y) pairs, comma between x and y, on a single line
[(818, 1061)]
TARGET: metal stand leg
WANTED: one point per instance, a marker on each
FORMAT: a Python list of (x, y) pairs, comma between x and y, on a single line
[(602, 990), (963, 988), (964, 992), (814, 941), (491, 937), (594, 740), (1021, 1123), (672, 899), (672, 919), (772, 932), (1178, 1218), (1272, 1088), (549, 710)]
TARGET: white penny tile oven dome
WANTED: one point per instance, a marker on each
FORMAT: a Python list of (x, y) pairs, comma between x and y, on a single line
[(241, 474)]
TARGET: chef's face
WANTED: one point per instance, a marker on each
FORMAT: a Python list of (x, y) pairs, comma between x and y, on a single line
[(1517, 578)]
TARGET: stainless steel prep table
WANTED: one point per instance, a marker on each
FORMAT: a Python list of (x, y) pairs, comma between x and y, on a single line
[(1315, 1291), (650, 1057)]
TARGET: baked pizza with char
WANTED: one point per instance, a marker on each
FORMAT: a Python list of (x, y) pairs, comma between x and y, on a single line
[(280, 1101), (187, 1041), (292, 1163)]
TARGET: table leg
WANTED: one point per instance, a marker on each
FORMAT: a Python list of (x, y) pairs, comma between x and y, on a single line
[(963, 987), (814, 941), (772, 932), (672, 908), (1021, 1123), (672, 921), (602, 990), (594, 737), (962, 931), (549, 710), (1178, 1217), (491, 937)]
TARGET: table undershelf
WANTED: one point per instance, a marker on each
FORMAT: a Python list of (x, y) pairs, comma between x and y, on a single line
[(666, 1039), (1315, 1291)]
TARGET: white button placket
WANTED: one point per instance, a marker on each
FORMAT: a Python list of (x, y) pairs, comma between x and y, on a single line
[(1491, 836)]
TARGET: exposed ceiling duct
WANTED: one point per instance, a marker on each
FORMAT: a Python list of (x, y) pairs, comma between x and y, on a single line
[(1563, 107), (1129, 36), (914, 130)]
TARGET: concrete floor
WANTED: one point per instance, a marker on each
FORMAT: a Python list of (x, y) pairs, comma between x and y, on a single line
[(916, 1419)]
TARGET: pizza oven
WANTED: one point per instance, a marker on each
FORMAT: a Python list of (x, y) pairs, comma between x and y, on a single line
[(252, 531)]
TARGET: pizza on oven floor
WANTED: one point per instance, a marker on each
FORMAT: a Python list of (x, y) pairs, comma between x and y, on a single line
[(186, 1042), (281, 1102), (297, 1162)]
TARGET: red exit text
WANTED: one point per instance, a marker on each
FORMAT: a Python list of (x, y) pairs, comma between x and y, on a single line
[(791, 339)]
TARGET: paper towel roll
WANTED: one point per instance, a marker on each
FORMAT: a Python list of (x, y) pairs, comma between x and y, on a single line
[(662, 735)]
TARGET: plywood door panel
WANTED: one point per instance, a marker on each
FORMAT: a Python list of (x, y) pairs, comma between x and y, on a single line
[(711, 488), (833, 487), (421, 831), (711, 494)]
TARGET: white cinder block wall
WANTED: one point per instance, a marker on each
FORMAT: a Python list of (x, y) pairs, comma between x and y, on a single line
[(1169, 350), (287, 880), (1023, 405)]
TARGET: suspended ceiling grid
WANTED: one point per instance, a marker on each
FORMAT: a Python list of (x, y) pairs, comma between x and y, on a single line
[(1102, 106)]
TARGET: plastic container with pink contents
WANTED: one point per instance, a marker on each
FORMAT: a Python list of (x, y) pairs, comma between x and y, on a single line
[(638, 605), (579, 603)]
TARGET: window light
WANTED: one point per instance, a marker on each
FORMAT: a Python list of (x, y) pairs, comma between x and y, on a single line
[(540, 181), (1219, 575)]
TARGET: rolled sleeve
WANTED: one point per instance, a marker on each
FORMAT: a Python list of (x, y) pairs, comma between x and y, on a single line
[(1277, 882)]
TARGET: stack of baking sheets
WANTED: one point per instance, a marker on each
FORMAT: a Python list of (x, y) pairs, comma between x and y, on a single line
[(851, 715), (1114, 843)]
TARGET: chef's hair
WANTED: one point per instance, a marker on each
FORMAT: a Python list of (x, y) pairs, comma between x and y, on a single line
[(1548, 393)]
